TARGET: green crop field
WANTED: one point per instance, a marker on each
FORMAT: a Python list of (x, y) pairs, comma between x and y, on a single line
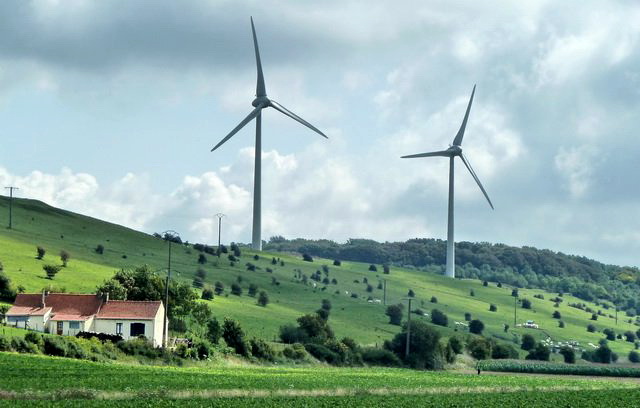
[(37, 224), (72, 382)]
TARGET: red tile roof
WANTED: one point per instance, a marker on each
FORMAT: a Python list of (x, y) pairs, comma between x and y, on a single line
[(79, 306), (27, 311), (68, 318), (128, 309)]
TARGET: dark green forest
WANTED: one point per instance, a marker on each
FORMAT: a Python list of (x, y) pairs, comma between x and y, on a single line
[(524, 267)]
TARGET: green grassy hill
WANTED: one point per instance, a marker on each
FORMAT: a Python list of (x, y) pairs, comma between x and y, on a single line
[(37, 224)]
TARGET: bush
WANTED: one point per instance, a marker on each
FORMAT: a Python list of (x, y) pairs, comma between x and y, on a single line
[(472, 293), (326, 304), (439, 318), (467, 317), (386, 269), (540, 352), (214, 331), (493, 308), (207, 294), (54, 346), (561, 324), (218, 288), (434, 299), (591, 328), (51, 270), (322, 353), (502, 351), (634, 356), (236, 289), (307, 258), (294, 352), (568, 354), (479, 348), (290, 334), (263, 299), (40, 252), (395, 314), (253, 290), (456, 344), (526, 304), (476, 326), (373, 268), (609, 334), (380, 357), (100, 249), (262, 350), (202, 259), (234, 337), (336, 262), (528, 342), (64, 257), (630, 336), (20, 345), (556, 315), (425, 352), (34, 338)]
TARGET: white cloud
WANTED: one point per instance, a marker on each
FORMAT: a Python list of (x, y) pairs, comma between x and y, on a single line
[(575, 166)]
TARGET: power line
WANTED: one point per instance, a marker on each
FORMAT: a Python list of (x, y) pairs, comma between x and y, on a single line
[(11, 188)]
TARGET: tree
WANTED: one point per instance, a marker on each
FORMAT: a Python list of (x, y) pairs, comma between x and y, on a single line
[(425, 351), (528, 342), (485, 283), (64, 257), (307, 258), (207, 294), (236, 289), (369, 288), (201, 313), (540, 352), (253, 289), (219, 288), (3, 312), (326, 304), (501, 350), (234, 336), (556, 315), (603, 354), (114, 288), (526, 304), (591, 328), (467, 317), (634, 357), (386, 269), (373, 268), (315, 328), (493, 308), (40, 252), (411, 293), (336, 262), (434, 299), (439, 318), (263, 298), (202, 259), (630, 336), (51, 270), (479, 348), (395, 314), (568, 354), (214, 331), (472, 293), (514, 293), (609, 334), (476, 326), (100, 249)]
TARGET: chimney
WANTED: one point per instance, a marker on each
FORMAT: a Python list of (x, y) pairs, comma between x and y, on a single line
[(105, 297), (42, 303)]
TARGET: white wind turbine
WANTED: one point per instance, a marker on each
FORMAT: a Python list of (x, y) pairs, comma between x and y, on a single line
[(454, 150), (260, 102)]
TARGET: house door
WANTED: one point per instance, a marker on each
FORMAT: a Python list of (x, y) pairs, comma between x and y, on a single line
[(59, 327)]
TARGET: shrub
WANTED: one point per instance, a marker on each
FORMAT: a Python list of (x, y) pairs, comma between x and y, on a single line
[(476, 326), (322, 353), (214, 331), (380, 357), (609, 334), (369, 288), (64, 257), (373, 268), (54, 346), (290, 334), (591, 328), (479, 348), (326, 304), (100, 249), (603, 354), (526, 304), (395, 314), (219, 288), (485, 283), (236, 289), (467, 317), (594, 316), (294, 352), (263, 299), (51, 270), (540, 352), (439, 318), (40, 252), (630, 336), (493, 308), (386, 269), (253, 290), (634, 356), (514, 293), (502, 351), (262, 350), (336, 262), (568, 354), (556, 315), (34, 338), (561, 324), (472, 293), (5, 343), (234, 337), (307, 258), (528, 342), (202, 259), (434, 299), (207, 294)]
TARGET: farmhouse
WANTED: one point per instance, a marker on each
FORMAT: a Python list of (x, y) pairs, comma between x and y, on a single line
[(69, 314)]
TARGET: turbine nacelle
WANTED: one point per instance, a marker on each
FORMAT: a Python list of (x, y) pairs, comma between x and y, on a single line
[(455, 150), (261, 101)]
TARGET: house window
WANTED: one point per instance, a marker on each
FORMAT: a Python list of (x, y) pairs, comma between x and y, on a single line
[(119, 329), (137, 329), (74, 325)]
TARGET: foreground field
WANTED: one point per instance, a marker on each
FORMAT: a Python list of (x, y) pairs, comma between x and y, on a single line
[(39, 381)]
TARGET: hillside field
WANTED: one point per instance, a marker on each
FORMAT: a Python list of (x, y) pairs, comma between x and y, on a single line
[(37, 224)]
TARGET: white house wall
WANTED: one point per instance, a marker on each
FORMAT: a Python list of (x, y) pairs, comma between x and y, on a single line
[(109, 326)]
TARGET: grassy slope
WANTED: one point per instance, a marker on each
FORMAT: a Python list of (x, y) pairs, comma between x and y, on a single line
[(38, 224)]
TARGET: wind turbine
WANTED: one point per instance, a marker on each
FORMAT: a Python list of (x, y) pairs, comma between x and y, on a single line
[(454, 150), (260, 102)]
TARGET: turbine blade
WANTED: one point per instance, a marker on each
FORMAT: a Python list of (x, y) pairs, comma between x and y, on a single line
[(275, 105), (458, 140), (443, 153), (235, 130), (260, 88), (475, 177)]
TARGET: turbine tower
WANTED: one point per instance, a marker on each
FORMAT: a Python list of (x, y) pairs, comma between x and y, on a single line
[(454, 150), (260, 102)]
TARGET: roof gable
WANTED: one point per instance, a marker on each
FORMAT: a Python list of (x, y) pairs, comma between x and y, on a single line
[(60, 303)]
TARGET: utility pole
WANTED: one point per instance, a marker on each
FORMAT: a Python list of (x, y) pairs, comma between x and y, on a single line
[(406, 349), (384, 293), (515, 311), (11, 205), (169, 236), (219, 215)]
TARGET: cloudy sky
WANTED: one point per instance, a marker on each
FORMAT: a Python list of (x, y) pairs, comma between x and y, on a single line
[(110, 109)]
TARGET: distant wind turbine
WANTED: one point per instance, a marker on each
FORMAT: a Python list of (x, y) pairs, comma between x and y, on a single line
[(454, 150), (260, 102)]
